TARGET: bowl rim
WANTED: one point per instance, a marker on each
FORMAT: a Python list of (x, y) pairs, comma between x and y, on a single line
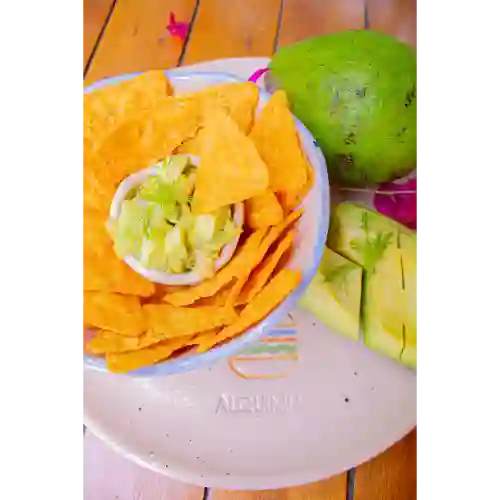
[(188, 361), (162, 277)]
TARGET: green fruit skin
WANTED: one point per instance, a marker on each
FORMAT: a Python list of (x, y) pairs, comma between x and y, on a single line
[(355, 91)]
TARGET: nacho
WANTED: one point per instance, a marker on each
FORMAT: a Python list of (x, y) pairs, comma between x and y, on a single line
[(95, 235), (263, 303), (144, 139), (165, 321), (263, 210), (98, 189), (230, 169), (219, 299), (290, 200), (239, 100), (277, 142), (119, 313), (104, 271), (262, 273), (132, 360), (107, 107), (273, 234), (104, 341)]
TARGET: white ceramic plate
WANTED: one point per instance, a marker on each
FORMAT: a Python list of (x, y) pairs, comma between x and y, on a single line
[(301, 405)]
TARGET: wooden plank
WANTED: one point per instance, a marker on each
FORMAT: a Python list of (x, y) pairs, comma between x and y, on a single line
[(330, 489), (94, 17), (109, 476), (228, 28), (390, 476), (306, 18), (396, 17), (136, 38)]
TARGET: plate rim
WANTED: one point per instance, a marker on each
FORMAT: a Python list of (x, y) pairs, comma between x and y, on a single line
[(236, 483)]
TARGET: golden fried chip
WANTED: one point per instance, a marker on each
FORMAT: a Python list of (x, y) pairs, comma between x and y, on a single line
[(119, 313), (230, 169), (263, 210), (239, 100), (107, 107), (290, 200), (273, 234), (277, 142), (95, 235), (231, 270), (219, 299), (204, 337), (132, 360), (98, 189), (166, 321), (105, 341), (145, 138), (263, 272), (104, 271), (264, 302)]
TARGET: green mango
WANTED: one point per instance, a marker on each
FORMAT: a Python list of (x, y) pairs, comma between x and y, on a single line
[(356, 91)]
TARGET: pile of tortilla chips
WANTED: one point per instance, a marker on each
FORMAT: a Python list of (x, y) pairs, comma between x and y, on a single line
[(246, 158)]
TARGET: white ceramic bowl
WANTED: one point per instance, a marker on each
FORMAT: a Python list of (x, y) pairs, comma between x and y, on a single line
[(164, 278), (308, 246)]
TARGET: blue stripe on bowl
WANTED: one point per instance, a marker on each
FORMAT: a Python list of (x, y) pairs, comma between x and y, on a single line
[(265, 327), (282, 333)]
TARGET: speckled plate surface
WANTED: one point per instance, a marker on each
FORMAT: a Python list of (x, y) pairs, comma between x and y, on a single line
[(300, 405)]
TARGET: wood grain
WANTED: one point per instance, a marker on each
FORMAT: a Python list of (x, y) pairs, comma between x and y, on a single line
[(136, 38), (396, 17), (390, 476), (305, 18), (232, 28), (330, 489), (109, 476), (94, 17)]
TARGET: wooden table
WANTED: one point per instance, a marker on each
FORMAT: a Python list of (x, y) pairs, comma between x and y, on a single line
[(130, 35)]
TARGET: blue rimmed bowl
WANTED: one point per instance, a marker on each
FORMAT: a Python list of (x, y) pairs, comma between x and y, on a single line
[(310, 238)]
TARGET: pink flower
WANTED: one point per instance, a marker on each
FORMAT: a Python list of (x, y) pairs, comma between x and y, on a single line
[(398, 201), (178, 29), (255, 76)]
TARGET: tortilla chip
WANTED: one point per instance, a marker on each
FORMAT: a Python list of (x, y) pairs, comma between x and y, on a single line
[(277, 142), (239, 100), (230, 169), (290, 200), (95, 235), (264, 302), (145, 139), (219, 299), (273, 234), (166, 321), (204, 337), (103, 271), (98, 190), (106, 341), (261, 274), (263, 210), (223, 277), (132, 360), (107, 107), (119, 313)]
